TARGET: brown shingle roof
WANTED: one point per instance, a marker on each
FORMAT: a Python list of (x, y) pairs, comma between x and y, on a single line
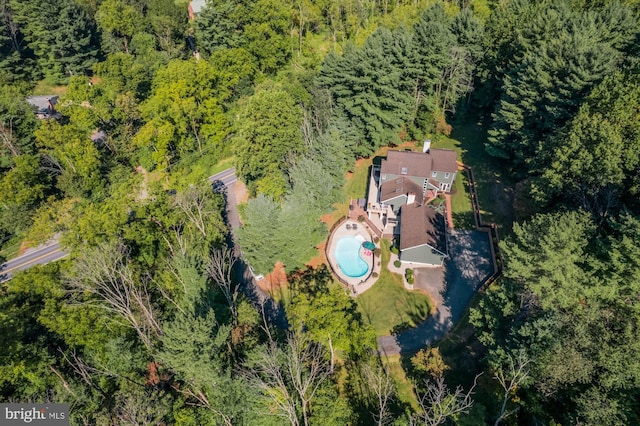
[(399, 186), (419, 164), (420, 225), (414, 163), (444, 160)]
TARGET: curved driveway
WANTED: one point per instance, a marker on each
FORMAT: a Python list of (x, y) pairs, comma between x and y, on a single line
[(469, 265), (273, 312)]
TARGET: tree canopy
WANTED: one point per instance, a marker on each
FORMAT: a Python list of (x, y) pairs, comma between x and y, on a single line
[(151, 318)]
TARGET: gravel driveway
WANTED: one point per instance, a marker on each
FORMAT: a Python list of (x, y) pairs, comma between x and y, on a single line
[(451, 288)]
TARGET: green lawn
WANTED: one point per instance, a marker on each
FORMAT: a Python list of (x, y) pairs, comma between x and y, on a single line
[(45, 88), (495, 189), (461, 209), (356, 186), (404, 386), (388, 305)]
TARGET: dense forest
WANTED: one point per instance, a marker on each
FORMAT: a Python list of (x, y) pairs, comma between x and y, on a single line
[(145, 323)]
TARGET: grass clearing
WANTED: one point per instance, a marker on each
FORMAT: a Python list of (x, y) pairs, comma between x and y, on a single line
[(356, 186), (461, 208), (44, 88), (495, 190), (282, 295), (388, 306), (404, 386)]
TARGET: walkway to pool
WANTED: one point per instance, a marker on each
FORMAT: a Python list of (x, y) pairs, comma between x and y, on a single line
[(361, 231)]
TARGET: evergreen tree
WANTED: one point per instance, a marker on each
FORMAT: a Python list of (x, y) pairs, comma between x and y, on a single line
[(268, 139), (566, 302), (565, 53), (432, 42), (373, 88), (15, 63), (596, 159), (60, 34), (217, 25), (259, 237)]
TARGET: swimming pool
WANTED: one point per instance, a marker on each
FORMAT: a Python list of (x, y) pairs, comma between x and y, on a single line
[(347, 255)]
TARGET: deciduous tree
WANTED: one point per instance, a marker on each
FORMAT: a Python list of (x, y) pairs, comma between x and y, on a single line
[(268, 136), (17, 123), (107, 277), (22, 189), (439, 404), (184, 113), (289, 378)]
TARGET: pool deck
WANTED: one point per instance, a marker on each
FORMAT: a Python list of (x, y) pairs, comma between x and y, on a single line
[(362, 231)]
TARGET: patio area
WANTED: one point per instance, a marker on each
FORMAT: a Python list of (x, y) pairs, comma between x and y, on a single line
[(362, 233)]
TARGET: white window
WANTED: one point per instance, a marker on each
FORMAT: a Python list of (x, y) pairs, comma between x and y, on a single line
[(434, 174), (446, 175), (384, 176), (404, 171)]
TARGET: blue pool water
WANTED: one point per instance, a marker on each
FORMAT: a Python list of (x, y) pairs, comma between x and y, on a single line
[(347, 255)]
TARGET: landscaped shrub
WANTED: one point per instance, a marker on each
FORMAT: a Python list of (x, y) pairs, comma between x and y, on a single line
[(408, 274), (374, 274), (376, 240), (397, 263), (361, 218), (377, 252), (394, 250)]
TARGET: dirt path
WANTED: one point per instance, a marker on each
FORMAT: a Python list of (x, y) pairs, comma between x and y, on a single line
[(144, 193)]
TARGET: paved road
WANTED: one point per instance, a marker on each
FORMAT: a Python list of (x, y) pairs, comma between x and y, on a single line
[(46, 253), (470, 264), (258, 297), (227, 177)]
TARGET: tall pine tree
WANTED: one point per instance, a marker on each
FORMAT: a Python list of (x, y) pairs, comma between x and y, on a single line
[(562, 54)]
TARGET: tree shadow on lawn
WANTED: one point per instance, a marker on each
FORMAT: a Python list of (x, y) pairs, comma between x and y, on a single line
[(414, 312), (463, 220), (493, 181)]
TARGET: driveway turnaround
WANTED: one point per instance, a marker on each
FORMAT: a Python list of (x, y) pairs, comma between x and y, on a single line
[(469, 264)]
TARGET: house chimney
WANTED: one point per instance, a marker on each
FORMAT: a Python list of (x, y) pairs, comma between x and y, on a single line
[(427, 145), (411, 198)]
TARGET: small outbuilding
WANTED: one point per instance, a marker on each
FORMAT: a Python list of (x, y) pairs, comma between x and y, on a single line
[(44, 106)]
